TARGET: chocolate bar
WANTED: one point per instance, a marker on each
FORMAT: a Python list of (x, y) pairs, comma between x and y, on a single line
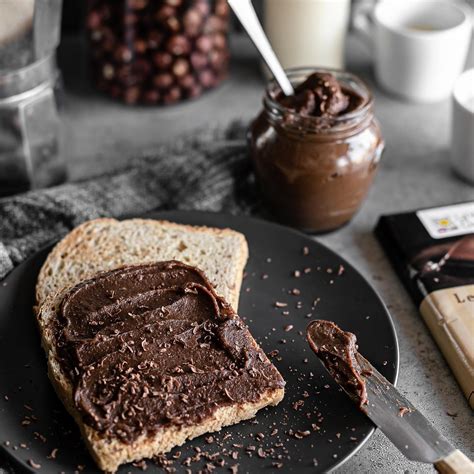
[(432, 251)]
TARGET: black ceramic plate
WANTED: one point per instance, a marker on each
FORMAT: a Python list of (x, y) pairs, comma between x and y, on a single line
[(33, 422)]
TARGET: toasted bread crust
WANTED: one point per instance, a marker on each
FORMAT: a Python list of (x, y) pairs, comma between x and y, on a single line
[(105, 244)]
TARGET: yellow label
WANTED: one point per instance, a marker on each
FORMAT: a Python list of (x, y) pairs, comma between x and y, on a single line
[(449, 314)]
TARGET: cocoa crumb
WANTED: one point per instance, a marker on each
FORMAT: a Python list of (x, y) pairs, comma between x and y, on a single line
[(402, 411), (295, 292), (53, 454), (33, 464), (296, 273), (280, 304), (341, 270), (305, 250), (301, 434), (288, 327), (298, 404), (234, 469), (140, 465), (261, 453), (264, 276), (277, 465)]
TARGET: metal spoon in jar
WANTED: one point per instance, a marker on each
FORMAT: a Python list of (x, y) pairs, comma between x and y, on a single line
[(245, 12)]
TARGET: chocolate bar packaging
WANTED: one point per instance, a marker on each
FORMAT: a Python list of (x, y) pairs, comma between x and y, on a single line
[(432, 250)]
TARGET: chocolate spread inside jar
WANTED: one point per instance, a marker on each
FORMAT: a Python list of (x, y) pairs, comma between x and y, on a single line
[(152, 345), (315, 153)]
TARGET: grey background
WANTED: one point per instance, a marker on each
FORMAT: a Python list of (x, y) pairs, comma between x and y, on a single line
[(414, 173)]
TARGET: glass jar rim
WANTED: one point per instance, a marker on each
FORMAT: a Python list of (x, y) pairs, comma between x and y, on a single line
[(272, 89)]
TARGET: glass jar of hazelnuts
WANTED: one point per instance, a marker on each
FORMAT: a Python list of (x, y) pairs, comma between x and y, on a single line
[(158, 51)]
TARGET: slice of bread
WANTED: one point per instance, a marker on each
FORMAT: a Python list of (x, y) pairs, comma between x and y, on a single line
[(110, 453), (105, 244)]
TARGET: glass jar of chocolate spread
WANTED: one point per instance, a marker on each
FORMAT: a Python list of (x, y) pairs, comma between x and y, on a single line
[(158, 51), (316, 153)]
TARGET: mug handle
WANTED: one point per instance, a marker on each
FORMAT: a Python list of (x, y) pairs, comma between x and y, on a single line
[(362, 21)]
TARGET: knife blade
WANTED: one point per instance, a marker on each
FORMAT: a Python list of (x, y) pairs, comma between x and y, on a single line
[(405, 426), (399, 420)]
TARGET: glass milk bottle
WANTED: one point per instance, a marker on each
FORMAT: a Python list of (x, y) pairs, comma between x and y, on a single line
[(307, 32)]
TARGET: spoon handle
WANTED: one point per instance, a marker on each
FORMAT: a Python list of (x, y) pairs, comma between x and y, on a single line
[(245, 12)]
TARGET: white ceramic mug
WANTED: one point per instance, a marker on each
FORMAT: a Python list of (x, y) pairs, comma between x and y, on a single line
[(307, 32), (462, 126), (419, 47)]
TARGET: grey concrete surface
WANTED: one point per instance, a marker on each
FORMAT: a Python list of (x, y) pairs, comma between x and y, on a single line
[(414, 173)]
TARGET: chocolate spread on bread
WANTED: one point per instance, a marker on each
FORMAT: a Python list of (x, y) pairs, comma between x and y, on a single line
[(152, 345), (337, 350)]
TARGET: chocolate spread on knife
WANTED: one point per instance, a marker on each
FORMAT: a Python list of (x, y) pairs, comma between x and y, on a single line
[(152, 345), (337, 350)]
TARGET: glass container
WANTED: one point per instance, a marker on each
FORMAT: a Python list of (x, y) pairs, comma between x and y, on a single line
[(314, 175), (158, 51)]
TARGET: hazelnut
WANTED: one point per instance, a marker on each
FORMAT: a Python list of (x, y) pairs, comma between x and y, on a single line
[(195, 91), (192, 22), (203, 7), (163, 80), (206, 78), (164, 13), (173, 95), (151, 96), (187, 81), (162, 60), (221, 9), (204, 44), (108, 71), (217, 59), (137, 4), (180, 67), (199, 61), (178, 45), (154, 39), (123, 54), (131, 95), (215, 24), (140, 46), (93, 20), (219, 41), (130, 19)]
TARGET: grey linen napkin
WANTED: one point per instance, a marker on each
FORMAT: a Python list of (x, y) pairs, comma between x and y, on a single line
[(208, 170)]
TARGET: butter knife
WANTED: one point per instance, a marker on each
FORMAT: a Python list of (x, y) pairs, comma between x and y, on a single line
[(396, 417)]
